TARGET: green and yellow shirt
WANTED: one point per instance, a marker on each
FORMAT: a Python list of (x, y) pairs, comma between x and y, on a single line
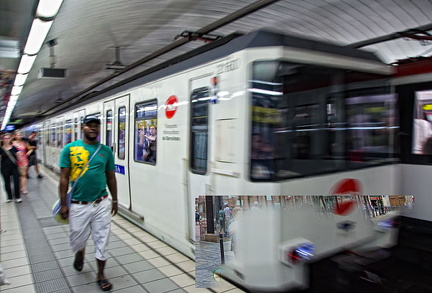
[(92, 183)]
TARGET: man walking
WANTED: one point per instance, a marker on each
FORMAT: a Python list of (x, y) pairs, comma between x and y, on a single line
[(32, 142), (91, 209)]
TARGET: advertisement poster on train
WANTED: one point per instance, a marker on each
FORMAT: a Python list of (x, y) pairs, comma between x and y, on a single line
[(422, 126)]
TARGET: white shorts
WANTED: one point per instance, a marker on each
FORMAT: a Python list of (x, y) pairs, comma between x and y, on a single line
[(86, 219)]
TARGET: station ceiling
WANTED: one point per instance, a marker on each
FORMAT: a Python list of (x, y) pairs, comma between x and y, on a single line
[(92, 35)]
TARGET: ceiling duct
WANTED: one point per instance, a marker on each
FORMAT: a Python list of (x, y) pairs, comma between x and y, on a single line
[(117, 65), (53, 73)]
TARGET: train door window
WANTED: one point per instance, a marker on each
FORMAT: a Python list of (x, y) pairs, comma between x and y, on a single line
[(60, 135), (80, 125), (68, 131), (199, 130), (108, 127), (146, 132), (76, 128), (53, 140), (121, 141)]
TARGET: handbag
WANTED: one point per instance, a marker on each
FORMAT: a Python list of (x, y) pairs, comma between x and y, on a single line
[(57, 204), (12, 158)]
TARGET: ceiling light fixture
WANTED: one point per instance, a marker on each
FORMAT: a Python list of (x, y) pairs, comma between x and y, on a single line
[(48, 8), (45, 13), (20, 79), (26, 64), (37, 35), (16, 90)]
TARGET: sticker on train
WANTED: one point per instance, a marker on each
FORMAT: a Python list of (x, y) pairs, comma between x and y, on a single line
[(119, 169), (171, 106)]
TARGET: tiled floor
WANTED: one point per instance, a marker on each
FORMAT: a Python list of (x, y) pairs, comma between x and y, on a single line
[(35, 254)]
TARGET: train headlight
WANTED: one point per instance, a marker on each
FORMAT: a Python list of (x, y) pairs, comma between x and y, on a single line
[(387, 224), (296, 251)]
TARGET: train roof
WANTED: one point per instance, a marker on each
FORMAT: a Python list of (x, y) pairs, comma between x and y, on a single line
[(221, 48)]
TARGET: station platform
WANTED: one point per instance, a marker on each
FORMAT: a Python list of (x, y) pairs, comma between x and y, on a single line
[(36, 257)]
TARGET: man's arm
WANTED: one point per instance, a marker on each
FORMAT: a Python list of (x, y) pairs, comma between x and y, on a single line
[(63, 188), (112, 186)]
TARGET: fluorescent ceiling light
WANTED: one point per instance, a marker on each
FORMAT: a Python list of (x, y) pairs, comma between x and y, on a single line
[(48, 8), (37, 36), (16, 90), (26, 64), (12, 104), (13, 98), (20, 79)]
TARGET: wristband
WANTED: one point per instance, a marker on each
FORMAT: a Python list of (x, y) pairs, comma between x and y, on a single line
[(114, 201)]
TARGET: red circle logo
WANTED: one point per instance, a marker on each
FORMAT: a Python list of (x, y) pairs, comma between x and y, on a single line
[(170, 106)]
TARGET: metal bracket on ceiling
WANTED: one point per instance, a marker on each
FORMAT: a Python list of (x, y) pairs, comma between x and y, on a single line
[(194, 36), (416, 34)]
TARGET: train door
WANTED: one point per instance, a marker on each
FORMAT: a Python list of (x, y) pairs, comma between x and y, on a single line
[(117, 128), (45, 142), (199, 174)]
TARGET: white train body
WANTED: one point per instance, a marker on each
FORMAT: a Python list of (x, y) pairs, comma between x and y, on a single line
[(163, 193)]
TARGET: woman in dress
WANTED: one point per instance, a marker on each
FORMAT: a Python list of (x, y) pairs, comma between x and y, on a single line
[(9, 168), (22, 158)]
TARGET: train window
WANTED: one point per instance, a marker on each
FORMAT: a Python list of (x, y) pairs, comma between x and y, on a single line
[(108, 127), (199, 130), (121, 143), (68, 131), (422, 128), (146, 132), (309, 120)]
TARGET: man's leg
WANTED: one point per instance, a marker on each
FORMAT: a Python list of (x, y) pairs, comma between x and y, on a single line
[(79, 260), (39, 175), (79, 226), (101, 225)]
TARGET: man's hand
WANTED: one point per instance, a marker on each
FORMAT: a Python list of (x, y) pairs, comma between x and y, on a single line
[(64, 212), (114, 208)]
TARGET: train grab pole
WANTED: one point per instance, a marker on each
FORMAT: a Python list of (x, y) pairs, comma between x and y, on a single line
[(222, 248)]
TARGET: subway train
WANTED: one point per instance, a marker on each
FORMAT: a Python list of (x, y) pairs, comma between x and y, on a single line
[(254, 114)]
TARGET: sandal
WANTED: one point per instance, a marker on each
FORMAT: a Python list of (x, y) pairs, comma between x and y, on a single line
[(78, 262), (104, 285)]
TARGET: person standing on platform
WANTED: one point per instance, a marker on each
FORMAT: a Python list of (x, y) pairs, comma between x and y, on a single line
[(32, 144), (9, 168), (221, 220), (91, 209), (22, 159), (227, 212)]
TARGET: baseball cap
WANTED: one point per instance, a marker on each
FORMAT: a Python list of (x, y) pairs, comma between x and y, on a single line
[(91, 118)]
